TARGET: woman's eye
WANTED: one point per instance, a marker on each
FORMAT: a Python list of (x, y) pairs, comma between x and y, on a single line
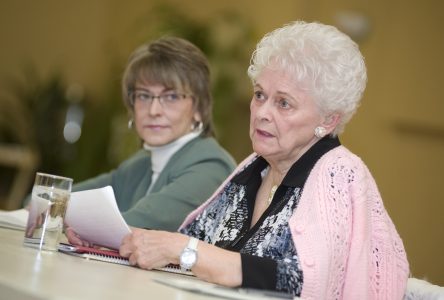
[(258, 95), (143, 96), (172, 97), (283, 103)]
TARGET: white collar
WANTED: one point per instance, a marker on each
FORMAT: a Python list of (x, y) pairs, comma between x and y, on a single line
[(160, 155)]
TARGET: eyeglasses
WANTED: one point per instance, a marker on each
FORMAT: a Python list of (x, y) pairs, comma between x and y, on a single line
[(166, 100)]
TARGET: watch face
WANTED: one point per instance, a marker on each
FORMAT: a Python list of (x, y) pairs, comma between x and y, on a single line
[(188, 258)]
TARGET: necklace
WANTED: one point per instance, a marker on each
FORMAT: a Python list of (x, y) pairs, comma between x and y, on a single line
[(271, 195)]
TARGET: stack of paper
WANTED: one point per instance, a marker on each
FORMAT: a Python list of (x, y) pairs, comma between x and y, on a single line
[(94, 215), (14, 219)]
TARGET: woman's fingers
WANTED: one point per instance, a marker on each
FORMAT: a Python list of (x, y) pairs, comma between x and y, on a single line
[(151, 248), (75, 239), (126, 247)]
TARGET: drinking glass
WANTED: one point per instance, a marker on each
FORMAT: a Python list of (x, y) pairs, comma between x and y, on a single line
[(50, 196)]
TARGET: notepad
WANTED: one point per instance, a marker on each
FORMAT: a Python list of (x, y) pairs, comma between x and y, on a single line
[(110, 256), (100, 254)]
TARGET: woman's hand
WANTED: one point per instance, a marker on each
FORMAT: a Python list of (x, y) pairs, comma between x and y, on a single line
[(75, 239), (150, 249)]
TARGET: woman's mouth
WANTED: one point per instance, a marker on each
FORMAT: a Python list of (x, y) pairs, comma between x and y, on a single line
[(264, 133), (155, 127)]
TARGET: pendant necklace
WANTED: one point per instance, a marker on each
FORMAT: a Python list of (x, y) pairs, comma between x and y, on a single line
[(271, 195)]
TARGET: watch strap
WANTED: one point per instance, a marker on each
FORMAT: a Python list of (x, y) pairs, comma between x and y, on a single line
[(192, 243)]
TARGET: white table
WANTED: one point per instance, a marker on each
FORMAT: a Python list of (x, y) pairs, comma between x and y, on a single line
[(26, 273)]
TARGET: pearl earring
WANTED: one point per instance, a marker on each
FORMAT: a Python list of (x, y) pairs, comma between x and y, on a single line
[(320, 132), (130, 123), (198, 126)]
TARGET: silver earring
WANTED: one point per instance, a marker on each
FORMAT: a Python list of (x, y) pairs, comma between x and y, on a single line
[(130, 123), (320, 132)]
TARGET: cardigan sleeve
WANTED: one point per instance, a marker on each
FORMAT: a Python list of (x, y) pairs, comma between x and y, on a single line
[(99, 181), (378, 261), (134, 166), (346, 241)]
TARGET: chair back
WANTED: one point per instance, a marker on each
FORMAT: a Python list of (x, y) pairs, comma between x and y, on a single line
[(419, 289)]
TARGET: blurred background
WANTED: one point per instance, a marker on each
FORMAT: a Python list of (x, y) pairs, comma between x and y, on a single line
[(61, 110)]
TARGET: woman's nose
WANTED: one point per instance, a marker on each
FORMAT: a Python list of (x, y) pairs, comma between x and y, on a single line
[(155, 107), (264, 111)]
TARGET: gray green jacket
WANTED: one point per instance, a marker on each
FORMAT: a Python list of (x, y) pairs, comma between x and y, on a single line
[(190, 177)]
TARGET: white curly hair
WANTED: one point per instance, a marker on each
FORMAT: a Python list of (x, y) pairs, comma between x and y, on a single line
[(324, 61)]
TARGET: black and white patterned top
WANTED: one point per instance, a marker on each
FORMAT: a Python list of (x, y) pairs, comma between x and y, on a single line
[(268, 254)]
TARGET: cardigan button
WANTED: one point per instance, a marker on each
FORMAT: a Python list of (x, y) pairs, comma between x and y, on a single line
[(299, 228), (309, 262)]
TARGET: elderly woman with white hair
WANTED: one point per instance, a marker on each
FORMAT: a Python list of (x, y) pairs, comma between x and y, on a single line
[(303, 214)]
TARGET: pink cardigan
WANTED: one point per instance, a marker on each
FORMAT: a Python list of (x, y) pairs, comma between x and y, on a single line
[(345, 239)]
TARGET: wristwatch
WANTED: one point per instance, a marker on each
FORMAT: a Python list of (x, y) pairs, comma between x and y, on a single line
[(188, 257)]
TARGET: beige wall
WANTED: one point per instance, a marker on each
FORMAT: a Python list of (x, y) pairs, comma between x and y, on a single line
[(398, 131)]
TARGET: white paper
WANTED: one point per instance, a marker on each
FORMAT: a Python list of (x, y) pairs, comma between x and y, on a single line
[(94, 215), (14, 219)]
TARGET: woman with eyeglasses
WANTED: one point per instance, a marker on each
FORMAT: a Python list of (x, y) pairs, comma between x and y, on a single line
[(166, 89)]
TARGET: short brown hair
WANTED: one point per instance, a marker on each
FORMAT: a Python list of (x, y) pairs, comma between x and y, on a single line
[(174, 63)]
